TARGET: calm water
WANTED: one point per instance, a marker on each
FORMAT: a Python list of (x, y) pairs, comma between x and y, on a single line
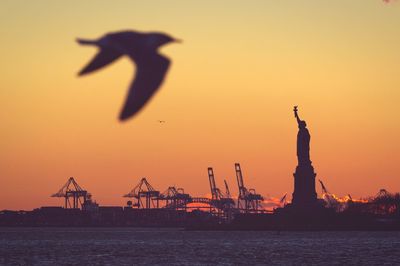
[(128, 246)]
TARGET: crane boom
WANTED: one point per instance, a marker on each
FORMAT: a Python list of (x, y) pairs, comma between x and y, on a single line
[(214, 190), (324, 189), (239, 177), (283, 199), (227, 192)]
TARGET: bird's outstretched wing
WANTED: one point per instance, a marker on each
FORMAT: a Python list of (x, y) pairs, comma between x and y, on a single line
[(104, 57), (150, 74)]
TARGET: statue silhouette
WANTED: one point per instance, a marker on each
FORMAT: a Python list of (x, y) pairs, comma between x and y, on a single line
[(303, 141), (304, 193)]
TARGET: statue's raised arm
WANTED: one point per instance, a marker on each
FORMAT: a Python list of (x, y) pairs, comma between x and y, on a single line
[(296, 115)]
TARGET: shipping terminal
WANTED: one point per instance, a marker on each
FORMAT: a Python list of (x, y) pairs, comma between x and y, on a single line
[(173, 207)]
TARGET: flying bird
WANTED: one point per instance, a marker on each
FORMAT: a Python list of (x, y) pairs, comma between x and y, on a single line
[(141, 48)]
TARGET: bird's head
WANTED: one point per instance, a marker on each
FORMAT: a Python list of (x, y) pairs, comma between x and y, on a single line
[(159, 39)]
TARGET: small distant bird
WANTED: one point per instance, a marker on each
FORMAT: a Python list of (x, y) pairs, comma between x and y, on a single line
[(161, 121), (142, 49)]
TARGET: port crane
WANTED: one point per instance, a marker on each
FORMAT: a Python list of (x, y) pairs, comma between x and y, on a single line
[(324, 189), (74, 195), (215, 192), (175, 198), (327, 193), (248, 200), (218, 199), (227, 192), (144, 191)]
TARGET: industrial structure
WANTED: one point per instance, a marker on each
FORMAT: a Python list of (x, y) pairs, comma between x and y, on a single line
[(143, 191), (248, 199), (74, 196), (175, 208), (222, 202), (175, 198), (147, 206), (144, 196), (222, 205)]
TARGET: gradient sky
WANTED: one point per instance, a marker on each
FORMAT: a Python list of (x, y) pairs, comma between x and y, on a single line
[(228, 97)]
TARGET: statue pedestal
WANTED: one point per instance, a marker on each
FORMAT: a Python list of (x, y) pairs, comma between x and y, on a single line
[(304, 194)]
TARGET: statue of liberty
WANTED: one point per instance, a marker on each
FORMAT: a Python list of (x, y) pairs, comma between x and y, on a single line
[(303, 141), (304, 193)]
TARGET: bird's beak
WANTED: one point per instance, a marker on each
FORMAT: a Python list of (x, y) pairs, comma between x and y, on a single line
[(178, 40), (86, 42)]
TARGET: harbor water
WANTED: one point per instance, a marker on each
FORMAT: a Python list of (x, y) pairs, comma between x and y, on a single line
[(143, 246)]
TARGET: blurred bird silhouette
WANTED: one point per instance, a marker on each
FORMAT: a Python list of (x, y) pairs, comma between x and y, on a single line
[(151, 67)]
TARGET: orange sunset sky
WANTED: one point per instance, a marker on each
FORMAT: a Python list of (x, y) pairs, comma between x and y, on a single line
[(228, 97)]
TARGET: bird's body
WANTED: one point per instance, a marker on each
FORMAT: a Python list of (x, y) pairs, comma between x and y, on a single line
[(142, 49)]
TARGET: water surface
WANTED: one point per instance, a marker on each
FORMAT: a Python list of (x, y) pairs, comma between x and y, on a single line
[(133, 246)]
